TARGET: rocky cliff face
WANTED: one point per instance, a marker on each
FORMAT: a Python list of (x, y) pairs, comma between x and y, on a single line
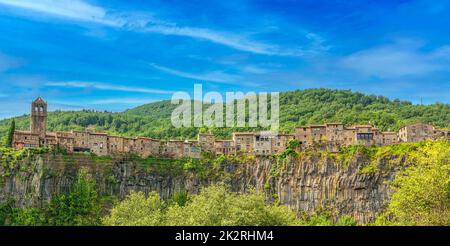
[(306, 183)]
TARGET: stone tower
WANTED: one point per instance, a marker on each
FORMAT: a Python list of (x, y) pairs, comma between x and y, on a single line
[(39, 119)]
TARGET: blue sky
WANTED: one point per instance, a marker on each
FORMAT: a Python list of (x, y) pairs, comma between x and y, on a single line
[(114, 55)]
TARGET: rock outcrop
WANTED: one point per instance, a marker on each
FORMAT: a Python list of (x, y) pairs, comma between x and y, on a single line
[(306, 183)]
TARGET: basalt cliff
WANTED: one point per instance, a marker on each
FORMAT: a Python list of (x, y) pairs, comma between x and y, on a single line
[(306, 183)]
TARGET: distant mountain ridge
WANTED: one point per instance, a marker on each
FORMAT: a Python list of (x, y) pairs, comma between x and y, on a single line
[(298, 107)]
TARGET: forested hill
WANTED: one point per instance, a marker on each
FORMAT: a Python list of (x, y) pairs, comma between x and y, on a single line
[(297, 108)]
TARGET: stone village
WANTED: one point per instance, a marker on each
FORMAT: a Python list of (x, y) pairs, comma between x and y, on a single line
[(329, 136)]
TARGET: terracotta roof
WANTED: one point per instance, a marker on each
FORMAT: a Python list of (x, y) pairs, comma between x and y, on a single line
[(417, 124), (98, 133), (243, 133), (334, 123), (39, 100), (25, 132), (146, 138), (360, 126), (317, 125)]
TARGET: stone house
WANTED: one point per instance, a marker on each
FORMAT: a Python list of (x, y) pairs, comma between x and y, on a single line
[(441, 134), (415, 132), (65, 140), (312, 135), (25, 139), (206, 141), (364, 135), (244, 142), (192, 149), (280, 142), (115, 145), (147, 146), (224, 147), (81, 141), (172, 148), (388, 138), (263, 143), (98, 143)]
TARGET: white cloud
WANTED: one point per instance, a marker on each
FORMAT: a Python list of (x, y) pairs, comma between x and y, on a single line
[(255, 69), (227, 39), (72, 9), (8, 62), (102, 86), (102, 102), (131, 101), (83, 11), (399, 59), (216, 76)]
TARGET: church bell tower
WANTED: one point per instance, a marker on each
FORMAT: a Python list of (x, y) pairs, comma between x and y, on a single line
[(39, 118)]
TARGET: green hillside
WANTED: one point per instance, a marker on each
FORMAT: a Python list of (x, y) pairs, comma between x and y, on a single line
[(297, 108)]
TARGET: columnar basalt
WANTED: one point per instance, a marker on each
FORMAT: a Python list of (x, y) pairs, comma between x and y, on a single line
[(306, 184)]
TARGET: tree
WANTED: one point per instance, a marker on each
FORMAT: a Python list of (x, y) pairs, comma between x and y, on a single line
[(79, 207), (422, 191), (10, 137), (137, 210), (214, 206)]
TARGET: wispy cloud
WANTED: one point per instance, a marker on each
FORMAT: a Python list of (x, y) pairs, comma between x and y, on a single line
[(83, 11), (8, 62), (72, 9), (102, 102), (103, 86), (227, 39), (129, 101), (216, 76), (399, 59)]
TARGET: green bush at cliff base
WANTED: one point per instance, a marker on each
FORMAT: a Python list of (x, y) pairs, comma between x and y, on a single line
[(214, 206), (422, 191), (81, 206)]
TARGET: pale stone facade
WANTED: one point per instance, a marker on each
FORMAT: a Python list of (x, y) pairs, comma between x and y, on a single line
[(263, 143), (280, 142), (416, 132), (224, 147), (206, 141), (192, 149), (332, 136), (441, 134), (388, 138), (244, 141), (24, 139)]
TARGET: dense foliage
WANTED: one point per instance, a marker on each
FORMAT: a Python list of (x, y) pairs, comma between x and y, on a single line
[(213, 206), (10, 136), (422, 191), (79, 207), (296, 108)]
